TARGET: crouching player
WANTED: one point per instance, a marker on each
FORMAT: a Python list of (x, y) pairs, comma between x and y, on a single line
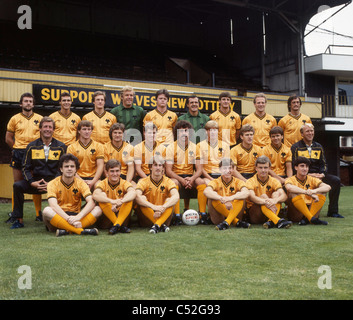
[(266, 197), (64, 213), (306, 194), (226, 198), (115, 197), (156, 195)]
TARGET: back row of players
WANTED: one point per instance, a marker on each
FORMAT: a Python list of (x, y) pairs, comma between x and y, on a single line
[(259, 165)]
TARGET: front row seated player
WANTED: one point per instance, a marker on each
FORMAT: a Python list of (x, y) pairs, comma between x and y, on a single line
[(307, 194), (266, 197), (226, 198), (115, 197), (156, 196), (64, 213)]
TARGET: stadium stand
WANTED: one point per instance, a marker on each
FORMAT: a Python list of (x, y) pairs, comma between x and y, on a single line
[(122, 58)]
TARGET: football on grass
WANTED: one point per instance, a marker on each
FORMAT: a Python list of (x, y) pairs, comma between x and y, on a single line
[(191, 217)]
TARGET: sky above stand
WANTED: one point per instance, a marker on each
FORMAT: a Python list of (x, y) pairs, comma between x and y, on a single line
[(338, 31)]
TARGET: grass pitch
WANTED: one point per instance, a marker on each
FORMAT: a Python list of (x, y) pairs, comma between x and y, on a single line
[(197, 263)]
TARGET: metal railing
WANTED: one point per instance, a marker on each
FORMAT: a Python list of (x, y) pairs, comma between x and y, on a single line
[(340, 106), (345, 49)]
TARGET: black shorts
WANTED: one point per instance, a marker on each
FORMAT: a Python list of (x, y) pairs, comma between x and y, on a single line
[(87, 178), (247, 175), (187, 193), (71, 213), (17, 158), (214, 175)]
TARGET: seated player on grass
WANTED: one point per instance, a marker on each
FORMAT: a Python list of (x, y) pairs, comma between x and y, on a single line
[(115, 197), (266, 197), (64, 213), (156, 197), (227, 196), (306, 194)]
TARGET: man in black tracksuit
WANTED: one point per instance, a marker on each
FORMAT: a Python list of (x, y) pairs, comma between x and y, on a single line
[(318, 168), (40, 165)]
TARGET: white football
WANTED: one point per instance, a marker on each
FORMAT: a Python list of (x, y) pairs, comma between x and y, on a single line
[(191, 217)]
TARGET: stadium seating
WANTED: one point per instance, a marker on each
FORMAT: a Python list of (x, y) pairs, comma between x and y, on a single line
[(120, 58)]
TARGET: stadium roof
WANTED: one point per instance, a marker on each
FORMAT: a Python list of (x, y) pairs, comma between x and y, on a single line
[(252, 43), (289, 10), (292, 9)]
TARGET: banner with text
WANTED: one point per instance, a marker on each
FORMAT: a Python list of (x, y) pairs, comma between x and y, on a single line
[(82, 97)]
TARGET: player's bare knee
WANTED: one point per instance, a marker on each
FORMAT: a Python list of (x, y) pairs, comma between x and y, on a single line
[(48, 213)]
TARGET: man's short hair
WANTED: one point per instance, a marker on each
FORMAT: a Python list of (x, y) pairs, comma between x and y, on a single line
[(310, 125), (65, 94), (226, 162), (246, 128), (69, 157), (126, 89), (211, 125), (225, 95), (276, 130), (301, 160), (112, 163), (149, 126), (181, 124), (262, 160), (116, 126), (162, 91), (156, 159), (260, 95), (46, 119), (84, 123), (191, 97), (26, 95), (98, 93)]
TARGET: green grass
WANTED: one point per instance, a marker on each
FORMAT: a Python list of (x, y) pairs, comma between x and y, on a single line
[(186, 263)]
